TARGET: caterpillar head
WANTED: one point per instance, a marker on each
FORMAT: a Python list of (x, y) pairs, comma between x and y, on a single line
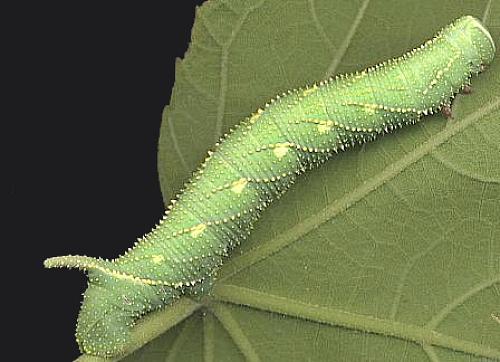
[(479, 49)]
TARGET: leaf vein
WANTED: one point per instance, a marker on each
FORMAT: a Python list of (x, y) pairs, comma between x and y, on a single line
[(319, 27), (459, 300), (221, 106), (347, 40), (337, 317), (232, 327), (461, 171), (408, 268)]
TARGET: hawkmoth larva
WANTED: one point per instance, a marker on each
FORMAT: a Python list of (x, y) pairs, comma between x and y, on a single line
[(255, 164)]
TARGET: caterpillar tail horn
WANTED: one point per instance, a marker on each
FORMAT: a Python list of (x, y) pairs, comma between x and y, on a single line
[(75, 262), (111, 304)]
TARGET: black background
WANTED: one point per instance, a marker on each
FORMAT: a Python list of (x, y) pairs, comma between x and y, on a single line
[(86, 89)]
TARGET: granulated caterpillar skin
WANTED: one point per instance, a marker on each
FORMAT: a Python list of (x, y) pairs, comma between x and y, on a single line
[(255, 164)]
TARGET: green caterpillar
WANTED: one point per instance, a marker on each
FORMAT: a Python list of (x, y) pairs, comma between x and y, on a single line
[(255, 164)]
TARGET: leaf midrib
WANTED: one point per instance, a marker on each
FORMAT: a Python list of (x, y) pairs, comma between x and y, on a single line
[(340, 318)]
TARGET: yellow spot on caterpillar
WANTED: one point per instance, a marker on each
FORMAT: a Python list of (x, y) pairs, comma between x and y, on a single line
[(157, 259), (198, 230), (324, 128), (239, 185), (367, 107), (280, 150)]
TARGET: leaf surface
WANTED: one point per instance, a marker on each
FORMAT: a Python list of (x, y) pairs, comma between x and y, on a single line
[(390, 251)]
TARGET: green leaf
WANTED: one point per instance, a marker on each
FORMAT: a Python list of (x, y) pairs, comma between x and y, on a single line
[(390, 251)]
